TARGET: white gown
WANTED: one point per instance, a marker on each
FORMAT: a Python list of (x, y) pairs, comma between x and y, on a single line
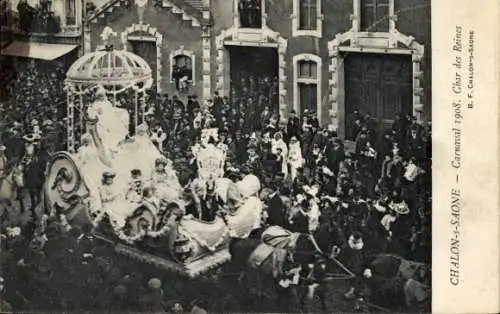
[(115, 205), (295, 159), (112, 123), (140, 153), (91, 171), (167, 185)]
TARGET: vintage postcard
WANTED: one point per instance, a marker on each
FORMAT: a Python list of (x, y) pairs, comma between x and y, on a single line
[(249, 156), (465, 148)]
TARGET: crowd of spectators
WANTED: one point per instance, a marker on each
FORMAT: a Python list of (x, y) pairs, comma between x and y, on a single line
[(377, 186), (33, 102), (39, 18)]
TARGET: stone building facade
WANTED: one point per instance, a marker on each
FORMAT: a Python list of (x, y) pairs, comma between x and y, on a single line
[(328, 56), (332, 57)]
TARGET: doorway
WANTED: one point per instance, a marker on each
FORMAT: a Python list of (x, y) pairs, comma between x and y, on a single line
[(146, 49), (378, 84), (253, 73)]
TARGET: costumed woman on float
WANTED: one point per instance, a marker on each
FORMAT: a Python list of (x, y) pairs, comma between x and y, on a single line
[(110, 126)]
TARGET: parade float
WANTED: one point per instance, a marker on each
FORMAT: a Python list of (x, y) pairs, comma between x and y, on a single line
[(109, 150)]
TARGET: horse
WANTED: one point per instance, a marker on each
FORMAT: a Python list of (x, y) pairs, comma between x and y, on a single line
[(11, 187), (274, 273), (407, 280), (326, 241)]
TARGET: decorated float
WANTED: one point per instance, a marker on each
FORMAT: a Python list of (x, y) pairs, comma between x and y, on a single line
[(113, 181)]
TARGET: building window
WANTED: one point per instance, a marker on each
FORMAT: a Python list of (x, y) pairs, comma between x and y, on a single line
[(307, 83), (182, 71), (308, 15), (374, 15), (250, 13), (70, 12), (307, 18), (308, 69)]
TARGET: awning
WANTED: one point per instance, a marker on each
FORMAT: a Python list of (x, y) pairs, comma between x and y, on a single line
[(37, 50)]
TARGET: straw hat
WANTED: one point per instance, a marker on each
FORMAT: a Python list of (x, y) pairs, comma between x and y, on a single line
[(154, 283), (30, 138)]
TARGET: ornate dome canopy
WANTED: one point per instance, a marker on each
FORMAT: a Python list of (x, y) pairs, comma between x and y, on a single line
[(110, 67)]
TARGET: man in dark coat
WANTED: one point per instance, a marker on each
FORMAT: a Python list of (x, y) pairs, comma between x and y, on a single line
[(335, 155), (414, 145), (354, 123), (314, 122), (218, 105), (395, 171), (275, 208), (300, 222), (241, 147), (293, 126), (191, 106)]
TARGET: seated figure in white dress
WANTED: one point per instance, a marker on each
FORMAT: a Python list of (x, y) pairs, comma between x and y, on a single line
[(113, 201), (111, 123), (165, 181), (137, 152)]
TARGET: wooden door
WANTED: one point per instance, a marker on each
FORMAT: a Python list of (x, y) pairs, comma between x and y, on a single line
[(147, 51), (379, 84), (308, 94)]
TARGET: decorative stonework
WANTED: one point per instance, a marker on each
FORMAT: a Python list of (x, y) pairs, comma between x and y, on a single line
[(177, 10), (264, 37), (183, 52), (317, 81), (109, 7), (153, 35), (371, 42), (206, 62)]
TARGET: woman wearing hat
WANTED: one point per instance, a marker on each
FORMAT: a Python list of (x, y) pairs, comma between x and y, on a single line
[(278, 144), (253, 165), (112, 200)]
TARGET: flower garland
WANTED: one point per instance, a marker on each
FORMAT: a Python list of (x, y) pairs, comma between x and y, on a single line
[(202, 242), (141, 235), (160, 233), (118, 230), (130, 239)]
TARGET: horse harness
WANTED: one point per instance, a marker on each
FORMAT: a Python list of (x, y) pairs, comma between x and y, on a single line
[(315, 244), (336, 261)]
